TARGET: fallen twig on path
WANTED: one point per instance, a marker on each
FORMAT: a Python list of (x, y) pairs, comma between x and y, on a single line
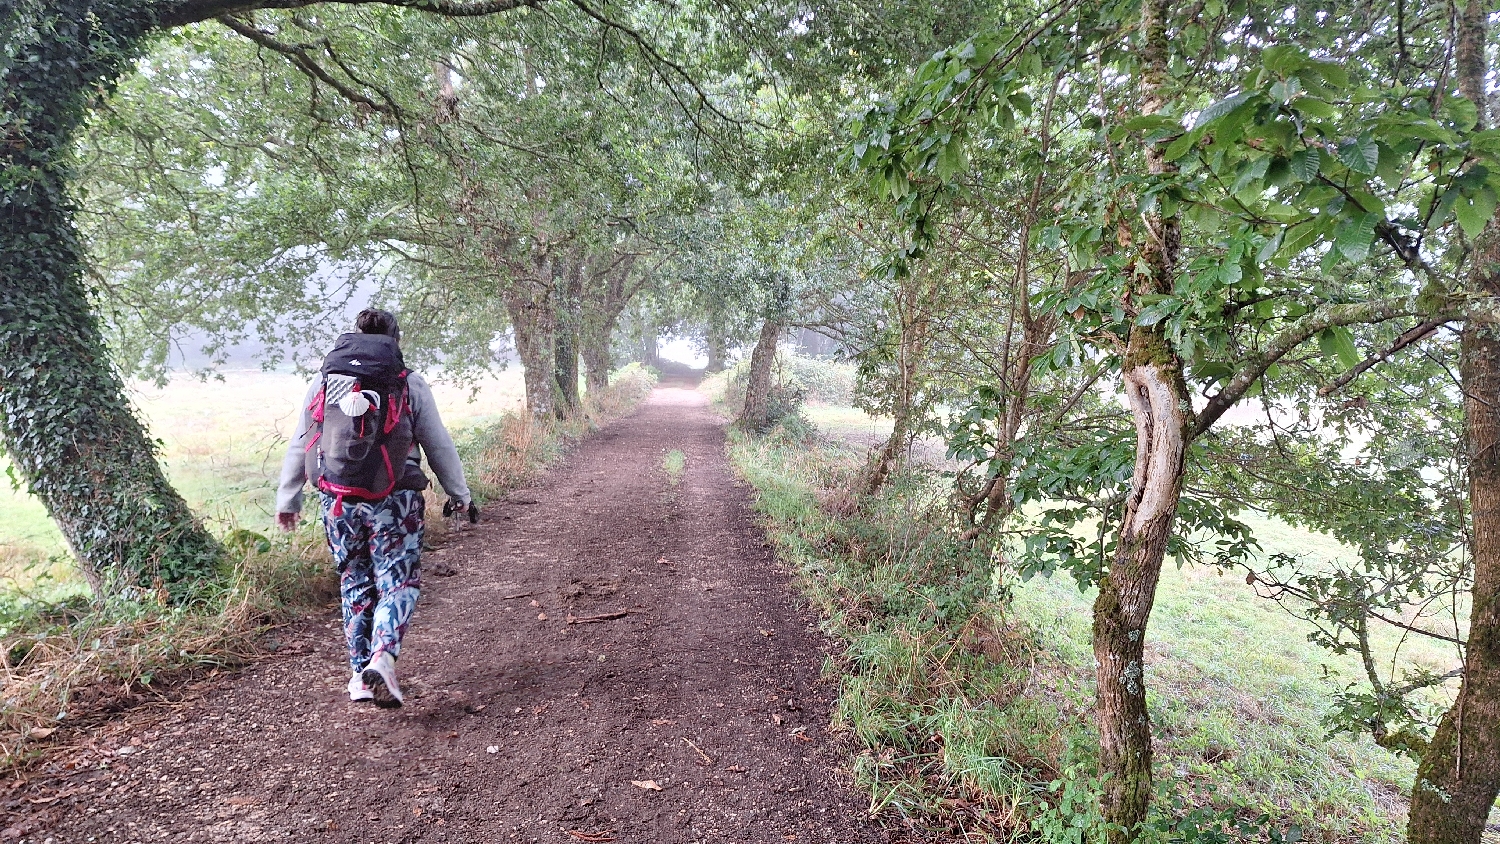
[(700, 751), (585, 619), (608, 835)]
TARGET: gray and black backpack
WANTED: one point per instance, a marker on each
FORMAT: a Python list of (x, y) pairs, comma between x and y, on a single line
[(361, 429)]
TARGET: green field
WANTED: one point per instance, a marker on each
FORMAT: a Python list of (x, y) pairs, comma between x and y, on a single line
[(222, 441)]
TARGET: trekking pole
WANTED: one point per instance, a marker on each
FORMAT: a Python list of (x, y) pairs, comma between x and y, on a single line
[(452, 508)]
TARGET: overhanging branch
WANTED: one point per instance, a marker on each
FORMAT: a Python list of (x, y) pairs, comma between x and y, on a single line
[(1294, 335), (196, 11), (1407, 338), (299, 56)]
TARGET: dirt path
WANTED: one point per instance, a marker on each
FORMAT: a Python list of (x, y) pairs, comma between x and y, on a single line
[(519, 726)]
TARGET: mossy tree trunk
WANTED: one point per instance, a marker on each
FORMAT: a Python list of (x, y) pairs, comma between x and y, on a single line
[(1161, 410), (604, 301), (755, 415), (1158, 402), (67, 424), (567, 337), (1459, 776), (533, 319)]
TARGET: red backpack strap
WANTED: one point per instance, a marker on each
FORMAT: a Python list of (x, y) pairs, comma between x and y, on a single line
[(316, 408), (397, 405)]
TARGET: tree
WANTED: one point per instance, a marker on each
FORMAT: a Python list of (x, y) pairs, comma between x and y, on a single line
[(1191, 262), (66, 422), (1460, 772)]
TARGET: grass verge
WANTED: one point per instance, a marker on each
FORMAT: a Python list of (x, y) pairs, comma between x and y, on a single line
[(969, 695), (67, 659)]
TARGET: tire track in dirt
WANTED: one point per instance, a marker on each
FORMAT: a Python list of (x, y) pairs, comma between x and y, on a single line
[(519, 725)]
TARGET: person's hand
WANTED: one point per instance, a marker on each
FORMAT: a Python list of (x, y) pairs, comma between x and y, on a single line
[(455, 506), (287, 521)]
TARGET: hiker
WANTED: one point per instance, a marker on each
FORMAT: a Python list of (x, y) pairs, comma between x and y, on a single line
[(364, 426)]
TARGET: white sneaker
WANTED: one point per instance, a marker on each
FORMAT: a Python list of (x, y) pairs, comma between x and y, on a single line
[(380, 676), (358, 691)]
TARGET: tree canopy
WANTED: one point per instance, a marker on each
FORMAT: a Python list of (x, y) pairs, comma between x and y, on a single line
[(1142, 266)]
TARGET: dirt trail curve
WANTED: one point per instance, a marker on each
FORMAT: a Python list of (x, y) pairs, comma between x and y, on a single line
[(519, 726)]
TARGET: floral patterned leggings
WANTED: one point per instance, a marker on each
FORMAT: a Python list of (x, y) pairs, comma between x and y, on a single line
[(377, 546)]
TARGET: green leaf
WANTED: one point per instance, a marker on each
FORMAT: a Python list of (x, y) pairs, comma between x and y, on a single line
[(1473, 212), (1284, 60), (1250, 172), (1152, 122), (1315, 108), (1300, 237), (1180, 147), (1360, 154), (1462, 111), (1332, 73), (952, 160), (1270, 248), (1338, 344), (1355, 236), (1222, 108), (1392, 166), (1305, 164)]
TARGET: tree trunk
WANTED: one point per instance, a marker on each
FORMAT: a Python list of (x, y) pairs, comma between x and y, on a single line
[(890, 453), (569, 317), (535, 322), (758, 385), (912, 313), (567, 369), (596, 364), (1158, 402), (67, 422), (1160, 407), (1459, 777), (717, 350)]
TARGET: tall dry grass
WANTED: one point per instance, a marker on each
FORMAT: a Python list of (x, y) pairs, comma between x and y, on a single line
[(508, 453), (62, 664)]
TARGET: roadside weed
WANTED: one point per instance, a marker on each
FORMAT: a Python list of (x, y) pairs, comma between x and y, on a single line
[(968, 693), (673, 463)]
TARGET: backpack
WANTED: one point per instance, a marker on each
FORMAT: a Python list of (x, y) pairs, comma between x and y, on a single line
[(361, 429)]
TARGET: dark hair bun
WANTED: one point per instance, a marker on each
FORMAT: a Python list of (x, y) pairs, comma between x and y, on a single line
[(375, 321)]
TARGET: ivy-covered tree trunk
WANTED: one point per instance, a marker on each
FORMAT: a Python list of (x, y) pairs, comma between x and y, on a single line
[(1161, 410), (67, 423), (1459, 777), (755, 415), (567, 369)]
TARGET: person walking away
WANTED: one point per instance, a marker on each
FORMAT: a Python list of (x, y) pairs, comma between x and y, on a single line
[(365, 424)]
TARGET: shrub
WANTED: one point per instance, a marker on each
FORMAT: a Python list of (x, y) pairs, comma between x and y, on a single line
[(820, 379)]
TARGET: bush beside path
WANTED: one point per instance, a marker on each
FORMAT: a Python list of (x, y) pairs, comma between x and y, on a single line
[(612, 655)]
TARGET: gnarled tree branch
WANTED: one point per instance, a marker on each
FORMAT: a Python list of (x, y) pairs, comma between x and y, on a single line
[(196, 11)]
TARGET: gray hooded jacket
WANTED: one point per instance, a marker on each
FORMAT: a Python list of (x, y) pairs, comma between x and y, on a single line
[(431, 437)]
